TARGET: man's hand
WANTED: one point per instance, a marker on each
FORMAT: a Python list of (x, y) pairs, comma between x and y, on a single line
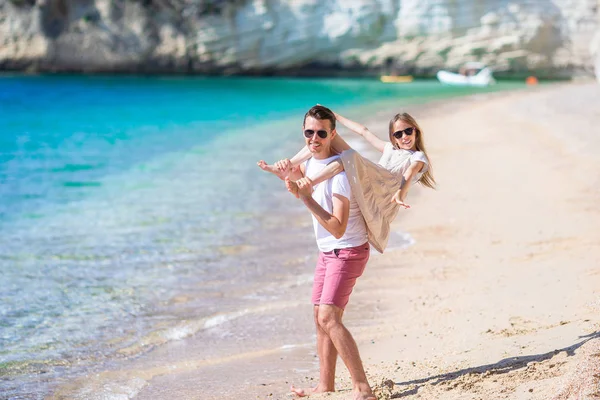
[(294, 187), (284, 166), (304, 187)]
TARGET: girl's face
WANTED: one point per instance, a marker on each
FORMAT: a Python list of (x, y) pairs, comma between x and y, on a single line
[(404, 136)]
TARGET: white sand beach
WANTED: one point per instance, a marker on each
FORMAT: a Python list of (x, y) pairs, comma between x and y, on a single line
[(499, 297)]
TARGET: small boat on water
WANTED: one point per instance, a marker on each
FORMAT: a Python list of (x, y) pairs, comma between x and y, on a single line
[(396, 78), (471, 74)]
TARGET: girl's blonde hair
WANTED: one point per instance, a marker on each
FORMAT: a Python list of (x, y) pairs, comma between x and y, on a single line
[(427, 178)]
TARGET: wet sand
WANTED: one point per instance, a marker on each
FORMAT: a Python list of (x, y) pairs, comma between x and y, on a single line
[(498, 298)]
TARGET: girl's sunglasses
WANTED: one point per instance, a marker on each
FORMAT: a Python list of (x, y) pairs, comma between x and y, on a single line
[(310, 133), (407, 132)]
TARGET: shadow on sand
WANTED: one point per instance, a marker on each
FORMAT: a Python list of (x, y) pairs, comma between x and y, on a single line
[(501, 367)]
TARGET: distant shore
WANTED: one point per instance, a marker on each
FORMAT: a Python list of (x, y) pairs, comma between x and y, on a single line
[(307, 71)]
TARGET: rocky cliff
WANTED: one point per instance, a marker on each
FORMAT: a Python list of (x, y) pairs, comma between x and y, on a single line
[(553, 37)]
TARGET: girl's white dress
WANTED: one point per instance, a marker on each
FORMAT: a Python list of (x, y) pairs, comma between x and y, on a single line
[(373, 186)]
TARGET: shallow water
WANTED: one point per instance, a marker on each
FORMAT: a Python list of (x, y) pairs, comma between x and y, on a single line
[(132, 214)]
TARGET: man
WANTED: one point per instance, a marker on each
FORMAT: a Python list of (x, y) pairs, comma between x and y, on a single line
[(343, 254)]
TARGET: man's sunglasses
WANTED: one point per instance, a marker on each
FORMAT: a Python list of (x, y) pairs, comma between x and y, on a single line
[(407, 132), (310, 133)]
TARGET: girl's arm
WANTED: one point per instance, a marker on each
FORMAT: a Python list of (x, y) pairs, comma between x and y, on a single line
[(407, 180), (362, 131)]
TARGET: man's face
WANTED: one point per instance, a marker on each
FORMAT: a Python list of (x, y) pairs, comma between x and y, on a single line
[(313, 130)]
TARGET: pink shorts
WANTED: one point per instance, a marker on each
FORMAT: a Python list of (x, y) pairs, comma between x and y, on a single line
[(336, 274)]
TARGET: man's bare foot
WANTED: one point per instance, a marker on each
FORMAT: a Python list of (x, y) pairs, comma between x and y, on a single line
[(299, 392), (271, 168), (307, 392), (364, 396)]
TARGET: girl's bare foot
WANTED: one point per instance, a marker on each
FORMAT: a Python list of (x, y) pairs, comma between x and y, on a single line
[(292, 187), (271, 168)]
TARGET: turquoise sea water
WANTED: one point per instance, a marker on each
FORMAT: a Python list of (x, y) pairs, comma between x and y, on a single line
[(120, 196)]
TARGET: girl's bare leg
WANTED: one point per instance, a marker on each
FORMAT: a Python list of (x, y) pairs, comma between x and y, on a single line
[(338, 144), (281, 172), (271, 168), (303, 155)]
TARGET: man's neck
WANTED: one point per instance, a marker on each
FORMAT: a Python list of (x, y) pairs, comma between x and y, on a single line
[(323, 155)]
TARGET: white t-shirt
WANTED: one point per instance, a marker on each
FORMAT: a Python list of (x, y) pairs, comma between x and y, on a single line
[(397, 161), (356, 230)]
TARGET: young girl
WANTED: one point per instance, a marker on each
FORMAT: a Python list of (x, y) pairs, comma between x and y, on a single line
[(380, 189)]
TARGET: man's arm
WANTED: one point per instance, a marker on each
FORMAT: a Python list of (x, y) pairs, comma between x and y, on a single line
[(336, 222)]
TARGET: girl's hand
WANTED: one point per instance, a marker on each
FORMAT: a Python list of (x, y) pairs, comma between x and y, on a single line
[(396, 199), (334, 113)]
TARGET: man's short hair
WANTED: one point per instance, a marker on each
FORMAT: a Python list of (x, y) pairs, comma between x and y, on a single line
[(321, 113)]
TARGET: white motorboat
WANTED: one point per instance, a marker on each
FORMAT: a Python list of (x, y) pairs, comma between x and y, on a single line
[(471, 74)]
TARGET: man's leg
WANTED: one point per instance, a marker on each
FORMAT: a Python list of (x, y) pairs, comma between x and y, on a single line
[(330, 321), (344, 267), (325, 349), (327, 361), (327, 357)]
